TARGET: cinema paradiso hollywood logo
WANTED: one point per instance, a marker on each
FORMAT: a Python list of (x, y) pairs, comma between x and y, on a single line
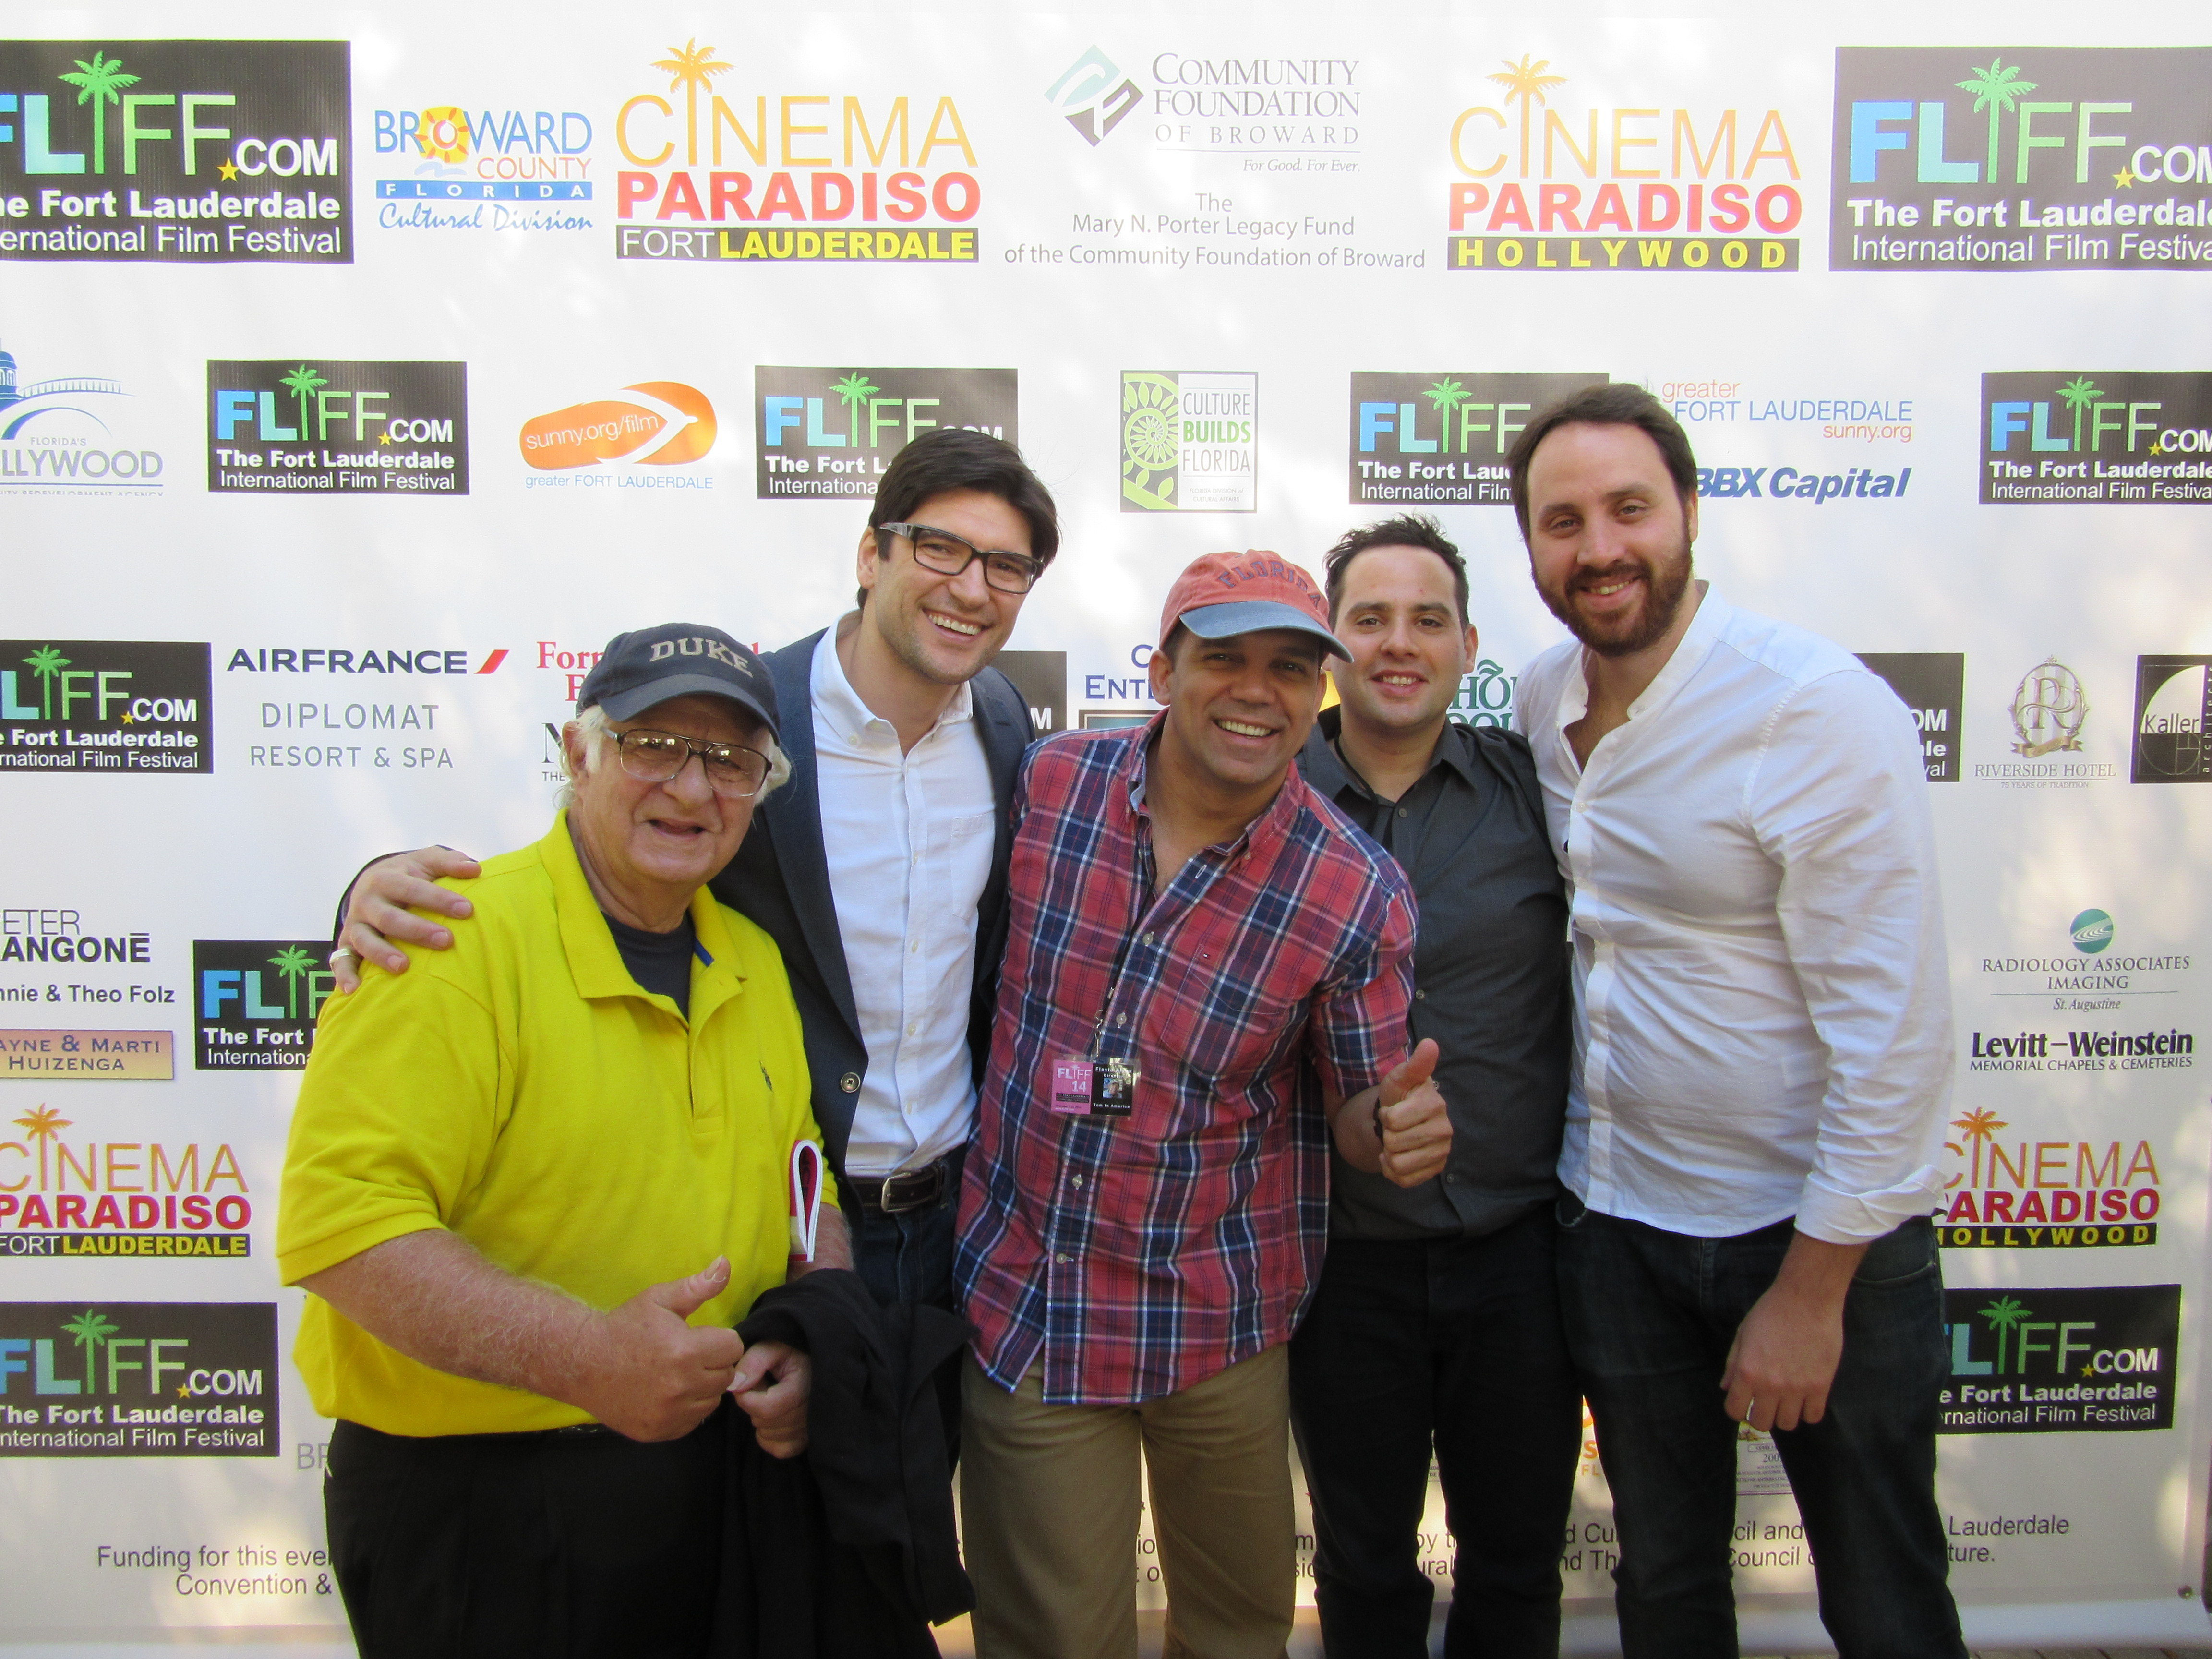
[(710, 172), (187, 151), (2020, 158), (1549, 181)]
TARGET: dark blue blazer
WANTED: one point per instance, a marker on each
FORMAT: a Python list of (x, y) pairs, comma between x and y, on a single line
[(781, 878)]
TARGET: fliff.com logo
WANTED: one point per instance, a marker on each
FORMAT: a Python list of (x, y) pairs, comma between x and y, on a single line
[(106, 706), (2140, 438)]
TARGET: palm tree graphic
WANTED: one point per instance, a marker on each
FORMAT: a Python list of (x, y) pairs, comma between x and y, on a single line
[(302, 383), (1445, 395), (1978, 1126), (42, 1124), (98, 82), (293, 962), (2003, 1314), (691, 66), (91, 1329), (2079, 395), (48, 664), (1997, 89), (1527, 81), (854, 391)]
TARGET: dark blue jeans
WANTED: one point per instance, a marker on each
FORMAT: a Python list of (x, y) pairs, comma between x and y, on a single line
[(1650, 1316), (1455, 1343), (908, 1257)]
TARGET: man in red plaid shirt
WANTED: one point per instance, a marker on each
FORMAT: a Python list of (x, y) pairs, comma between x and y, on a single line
[(1207, 975)]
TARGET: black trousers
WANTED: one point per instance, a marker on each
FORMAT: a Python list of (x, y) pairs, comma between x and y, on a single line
[(1453, 1345), (575, 1542)]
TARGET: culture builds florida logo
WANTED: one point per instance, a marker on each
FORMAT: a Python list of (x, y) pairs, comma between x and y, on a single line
[(652, 423)]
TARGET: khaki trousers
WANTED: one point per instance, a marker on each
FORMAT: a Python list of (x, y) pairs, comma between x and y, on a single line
[(1049, 1504)]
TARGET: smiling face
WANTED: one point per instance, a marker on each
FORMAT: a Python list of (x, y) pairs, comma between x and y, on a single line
[(1608, 538), (1239, 709), (944, 629), (1398, 612), (658, 842)]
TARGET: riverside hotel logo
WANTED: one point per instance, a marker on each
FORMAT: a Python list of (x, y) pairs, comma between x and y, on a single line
[(2020, 158), (1550, 180), (199, 152), (2137, 439), (711, 172), (105, 706), (138, 1379)]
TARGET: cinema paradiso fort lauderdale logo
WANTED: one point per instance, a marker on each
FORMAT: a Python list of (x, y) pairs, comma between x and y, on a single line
[(188, 151), (711, 173)]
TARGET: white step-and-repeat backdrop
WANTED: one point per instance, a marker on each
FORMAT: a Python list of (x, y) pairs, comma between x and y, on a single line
[(365, 371)]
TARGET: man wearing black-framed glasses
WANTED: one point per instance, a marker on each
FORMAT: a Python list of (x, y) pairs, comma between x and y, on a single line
[(880, 872)]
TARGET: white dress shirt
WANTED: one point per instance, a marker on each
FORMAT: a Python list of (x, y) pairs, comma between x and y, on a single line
[(908, 840), (1762, 1002)]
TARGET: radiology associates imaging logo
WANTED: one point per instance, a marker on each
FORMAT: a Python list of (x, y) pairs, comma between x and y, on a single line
[(106, 706), (2026, 1193), (2084, 1360), (647, 436), (831, 432), (2039, 158), (2174, 708), (64, 1196), (849, 175), (138, 1379), (255, 1001), (483, 167), (1685, 188), (286, 427), (195, 151), (71, 434), (2088, 976), (2143, 439), (1190, 441), (1933, 686), (1441, 440)]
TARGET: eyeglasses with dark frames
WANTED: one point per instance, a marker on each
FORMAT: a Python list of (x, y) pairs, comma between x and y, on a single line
[(733, 770), (949, 554)]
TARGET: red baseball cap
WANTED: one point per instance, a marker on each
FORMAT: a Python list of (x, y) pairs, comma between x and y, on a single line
[(1223, 594)]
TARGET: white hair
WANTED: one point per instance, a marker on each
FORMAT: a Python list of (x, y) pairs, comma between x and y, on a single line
[(598, 733)]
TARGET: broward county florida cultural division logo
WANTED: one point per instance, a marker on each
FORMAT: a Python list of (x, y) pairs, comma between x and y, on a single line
[(1684, 188), (483, 167), (854, 176), (187, 151)]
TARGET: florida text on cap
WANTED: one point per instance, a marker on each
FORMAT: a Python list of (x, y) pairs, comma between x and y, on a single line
[(1223, 594)]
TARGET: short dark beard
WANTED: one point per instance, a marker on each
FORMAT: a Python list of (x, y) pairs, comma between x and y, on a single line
[(1663, 591)]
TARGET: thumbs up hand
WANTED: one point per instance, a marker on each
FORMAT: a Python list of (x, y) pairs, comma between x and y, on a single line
[(645, 1373), (1409, 1119)]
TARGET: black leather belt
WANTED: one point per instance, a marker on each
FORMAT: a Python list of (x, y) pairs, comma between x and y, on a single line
[(920, 1189)]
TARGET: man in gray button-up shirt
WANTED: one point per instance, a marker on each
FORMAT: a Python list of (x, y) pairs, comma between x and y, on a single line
[(1435, 1325)]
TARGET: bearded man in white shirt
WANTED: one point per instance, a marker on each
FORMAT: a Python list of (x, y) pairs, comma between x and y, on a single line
[(1762, 1055)]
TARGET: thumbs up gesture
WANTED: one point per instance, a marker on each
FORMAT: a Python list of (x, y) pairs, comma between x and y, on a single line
[(1409, 1119), (644, 1372)]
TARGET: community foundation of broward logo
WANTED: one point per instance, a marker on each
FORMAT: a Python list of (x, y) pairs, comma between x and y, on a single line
[(138, 1379)]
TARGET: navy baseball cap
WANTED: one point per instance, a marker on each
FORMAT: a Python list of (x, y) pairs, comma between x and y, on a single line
[(649, 665)]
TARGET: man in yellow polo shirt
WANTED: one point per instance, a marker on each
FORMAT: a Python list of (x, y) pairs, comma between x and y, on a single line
[(533, 1184)]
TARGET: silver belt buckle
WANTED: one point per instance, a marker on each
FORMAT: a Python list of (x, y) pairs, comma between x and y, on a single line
[(912, 1190)]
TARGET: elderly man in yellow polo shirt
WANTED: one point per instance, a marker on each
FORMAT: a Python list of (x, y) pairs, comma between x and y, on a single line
[(534, 1182)]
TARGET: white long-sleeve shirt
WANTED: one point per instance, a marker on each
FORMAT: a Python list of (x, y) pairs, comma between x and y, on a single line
[(1762, 1001), (908, 838)]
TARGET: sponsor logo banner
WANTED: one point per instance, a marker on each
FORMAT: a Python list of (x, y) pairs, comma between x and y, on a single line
[(67, 434), (130, 1198), (1190, 441), (2030, 1195), (255, 1000), (2049, 715), (2020, 158), (82, 1055), (479, 167), (711, 172), (1042, 678), (58, 937), (2088, 1360), (831, 432), (1933, 686), (190, 151), (1683, 188), (138, 1379), (1440, 439), (2142, 439), (1789, 483), (2173, 705), (106, 706), (634, 438), (323, 426), (2087, 976)]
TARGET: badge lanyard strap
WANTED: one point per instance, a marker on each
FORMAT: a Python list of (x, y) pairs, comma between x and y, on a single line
[(1121, 957)]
